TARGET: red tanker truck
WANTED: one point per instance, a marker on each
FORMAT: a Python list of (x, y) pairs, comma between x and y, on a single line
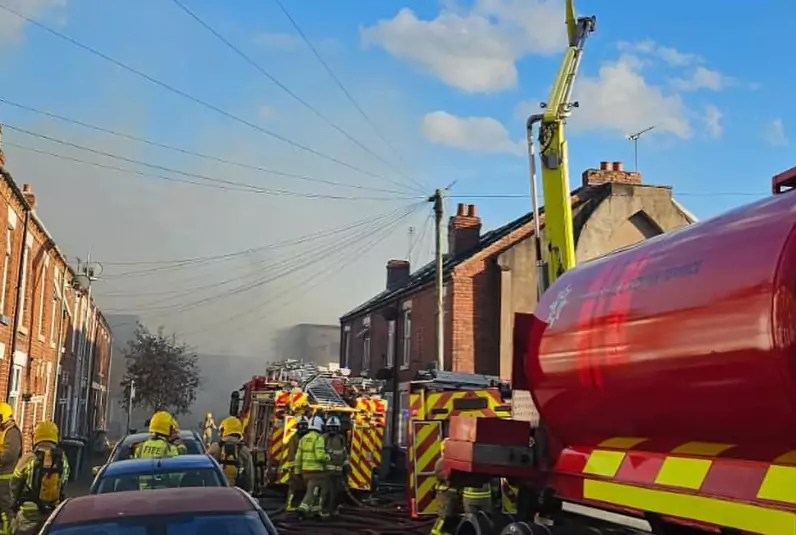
[(665, 377)]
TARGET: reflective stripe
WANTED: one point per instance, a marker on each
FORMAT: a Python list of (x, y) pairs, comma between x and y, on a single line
[(477, 494), (6, 476)]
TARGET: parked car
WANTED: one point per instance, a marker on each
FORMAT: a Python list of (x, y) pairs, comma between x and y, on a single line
[(191, 511), (124, 448), (170, 472)]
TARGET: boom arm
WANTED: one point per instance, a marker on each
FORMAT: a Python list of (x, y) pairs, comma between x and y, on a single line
[(553, 156)]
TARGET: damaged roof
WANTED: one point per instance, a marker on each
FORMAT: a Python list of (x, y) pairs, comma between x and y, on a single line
[(581, 198)]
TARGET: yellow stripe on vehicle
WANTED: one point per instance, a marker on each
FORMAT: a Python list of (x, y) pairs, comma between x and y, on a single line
[(707, 449), (604, 463), (622, 443), (683, 472), (779, 484), (742, 516)]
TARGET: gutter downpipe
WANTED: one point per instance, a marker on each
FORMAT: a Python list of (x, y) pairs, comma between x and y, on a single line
[(59, 347), (23, 256)]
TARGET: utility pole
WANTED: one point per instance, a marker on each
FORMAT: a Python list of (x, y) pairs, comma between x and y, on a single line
[(634, 139), (130, 403), (438, 212)]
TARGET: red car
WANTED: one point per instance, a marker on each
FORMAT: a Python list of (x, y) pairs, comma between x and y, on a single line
[(180, 511)]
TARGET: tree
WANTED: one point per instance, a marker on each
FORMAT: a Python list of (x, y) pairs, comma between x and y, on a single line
[(165, 372)]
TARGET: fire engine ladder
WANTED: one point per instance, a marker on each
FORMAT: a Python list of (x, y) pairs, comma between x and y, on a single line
[(322, 392), (455, 380)]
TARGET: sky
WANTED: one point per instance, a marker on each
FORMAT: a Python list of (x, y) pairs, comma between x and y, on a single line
[(381, 104)]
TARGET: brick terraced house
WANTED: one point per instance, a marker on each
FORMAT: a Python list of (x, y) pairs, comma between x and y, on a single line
[(50, 332), (488, 277)]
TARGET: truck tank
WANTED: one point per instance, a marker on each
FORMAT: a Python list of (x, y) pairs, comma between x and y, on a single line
[(689, 336)]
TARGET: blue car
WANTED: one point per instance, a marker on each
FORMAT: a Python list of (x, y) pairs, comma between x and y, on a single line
[(170, 472)]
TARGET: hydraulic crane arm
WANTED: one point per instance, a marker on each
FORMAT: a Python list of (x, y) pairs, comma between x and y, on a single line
[(553, 156)]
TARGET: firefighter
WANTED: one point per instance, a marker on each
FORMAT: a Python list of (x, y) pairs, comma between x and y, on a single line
[(37, 486), (295, 484), (233, 455), (158, 445), (338, 462), (10, 452), (475, 499), (174, 437), (448, 500), (310, 463), (209, 427)]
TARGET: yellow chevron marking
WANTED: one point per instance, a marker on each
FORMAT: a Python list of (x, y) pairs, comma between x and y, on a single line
[(683, 472), (622, 443), (604, 463), (779, 484), (707, 449)]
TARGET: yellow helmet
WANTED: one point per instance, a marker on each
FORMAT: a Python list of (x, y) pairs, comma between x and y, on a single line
[(45, 431), (175, 424), (231, 426), (6, 412), (161, 423)]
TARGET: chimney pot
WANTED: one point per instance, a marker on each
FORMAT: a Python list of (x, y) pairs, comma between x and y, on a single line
[(471, 210), (460, 209), (605, 166), (618, 166), (27, 192), (398, 272)]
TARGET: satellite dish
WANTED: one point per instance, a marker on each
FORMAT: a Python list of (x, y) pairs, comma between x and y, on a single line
[(81, 282)]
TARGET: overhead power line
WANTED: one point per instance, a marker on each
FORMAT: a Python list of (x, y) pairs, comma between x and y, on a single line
[(186, 95), (285, 268), (306, 285), (259, 68), (338, 81), (165, 265), (188, 152), (237, 186)]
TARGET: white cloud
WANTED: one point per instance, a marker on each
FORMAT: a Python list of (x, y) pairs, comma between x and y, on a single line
[(474, 134), (703, 78), (620, 99), (11, 26), (774, 133), (669, 55), (526, 108), (474, 50), (713, 121)]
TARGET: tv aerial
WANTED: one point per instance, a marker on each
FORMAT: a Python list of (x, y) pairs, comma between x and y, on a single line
[(634, 138)]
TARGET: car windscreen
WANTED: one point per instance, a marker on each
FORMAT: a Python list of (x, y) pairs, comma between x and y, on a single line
[(125, 451), (162, 479), (250, 523)]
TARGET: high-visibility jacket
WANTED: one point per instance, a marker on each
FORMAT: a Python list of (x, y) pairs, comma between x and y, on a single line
[(311, 455), (335, 446), (478, 493), (10, 448), (156, 448)]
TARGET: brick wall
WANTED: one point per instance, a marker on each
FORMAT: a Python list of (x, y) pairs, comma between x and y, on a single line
[(31, 357)]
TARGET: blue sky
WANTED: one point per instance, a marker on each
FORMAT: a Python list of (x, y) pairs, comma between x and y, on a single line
[(447, 83)]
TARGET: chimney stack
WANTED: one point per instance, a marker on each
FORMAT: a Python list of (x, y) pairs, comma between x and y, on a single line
[(464, 230), (27, 192), (398, 272), (611, 172)]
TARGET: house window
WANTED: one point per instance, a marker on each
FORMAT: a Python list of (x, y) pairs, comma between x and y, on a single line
[(42, 291), (403, 417), (23, 286), (366, 352), (406, 355), (346, 345), (13, 395), (391, 343), (7, 268)]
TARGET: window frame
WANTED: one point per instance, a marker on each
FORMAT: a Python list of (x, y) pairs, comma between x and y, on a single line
[(15, 390), (391, 343), (23, 284), (42, 294), (7, 261), (406, 337)]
